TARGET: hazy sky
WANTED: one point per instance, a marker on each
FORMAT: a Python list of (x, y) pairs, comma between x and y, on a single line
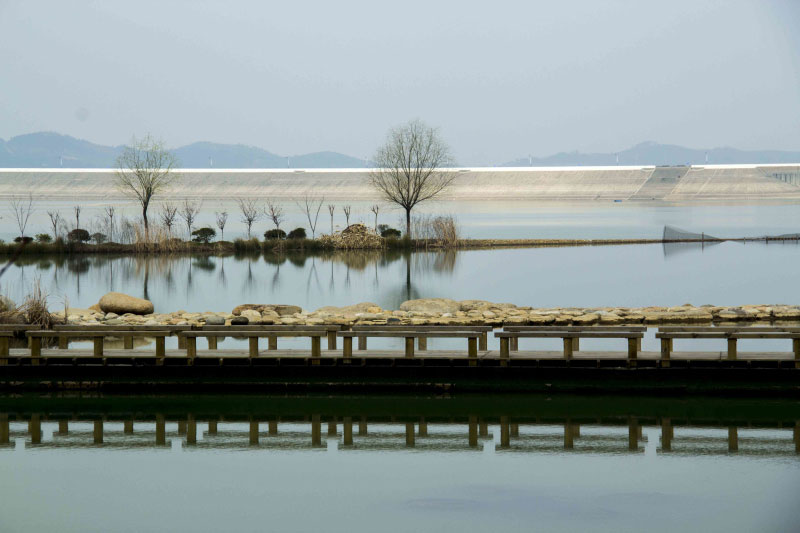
[(501, 79)]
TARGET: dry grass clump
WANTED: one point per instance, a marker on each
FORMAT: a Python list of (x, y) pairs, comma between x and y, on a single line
[(438, 231), (353, 237), (34, 309)]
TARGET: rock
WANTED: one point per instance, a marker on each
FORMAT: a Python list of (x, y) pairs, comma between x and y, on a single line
[(280, 309), (239, 308), (431, 305), (251, 315), (287, 310), (116, 302), (239, 321), (474, 305), (115, 322), (215, 320), (109, 316)]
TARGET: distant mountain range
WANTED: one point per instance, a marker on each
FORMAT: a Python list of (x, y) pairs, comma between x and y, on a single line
[(651, 153), (53, 150)]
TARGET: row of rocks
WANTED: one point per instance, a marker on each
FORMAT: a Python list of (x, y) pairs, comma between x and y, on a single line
[(441, 311)]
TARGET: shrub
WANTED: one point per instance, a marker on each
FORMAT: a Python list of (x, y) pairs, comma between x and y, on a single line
[(275, 234), (44, 238), (390, 233), (23, 240), (203, 235), (99, 238), (78, 235), (297, 233)]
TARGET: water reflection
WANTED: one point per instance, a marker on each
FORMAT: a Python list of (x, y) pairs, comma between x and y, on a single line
[(574, 425)]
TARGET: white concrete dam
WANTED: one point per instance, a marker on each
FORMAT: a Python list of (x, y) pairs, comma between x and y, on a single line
[(647, 183)]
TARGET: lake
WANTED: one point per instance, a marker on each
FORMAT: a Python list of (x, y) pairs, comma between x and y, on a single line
[(519, 463)]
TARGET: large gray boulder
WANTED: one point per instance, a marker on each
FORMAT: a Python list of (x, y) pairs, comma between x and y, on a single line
[(431, 305), (117, 302)]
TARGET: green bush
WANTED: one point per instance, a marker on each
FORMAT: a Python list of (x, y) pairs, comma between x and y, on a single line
[(297, 233), (43, 238), (78, 235), (23, 240), (203, 235), (389, 233), (275, 234)]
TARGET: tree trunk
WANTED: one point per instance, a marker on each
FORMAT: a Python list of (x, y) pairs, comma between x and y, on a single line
[(146, 226), (408, 222)]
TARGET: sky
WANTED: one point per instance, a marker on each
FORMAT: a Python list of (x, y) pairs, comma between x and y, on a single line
[(501, 79)]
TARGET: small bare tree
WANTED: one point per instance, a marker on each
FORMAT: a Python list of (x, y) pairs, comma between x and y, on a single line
[(250, 212), (77, 210), (145, 171), (110, 212), (410, 167), (188, 212), (347, 209), (22, 209), (375, 208), (222, 219), (168, 214), (275, 213), (331, 209), (55, 222), (311, 206)]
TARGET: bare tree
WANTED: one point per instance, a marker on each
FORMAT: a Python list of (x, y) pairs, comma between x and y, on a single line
[(275, 213), (145, 171), (347, 209), (110, 212), (188, 212), (250, 212), (375, 208), (331, 209), (77, 210), (55, 222), (222, 219), (410, 167), (168, 214), (312, 205), (22, 208)]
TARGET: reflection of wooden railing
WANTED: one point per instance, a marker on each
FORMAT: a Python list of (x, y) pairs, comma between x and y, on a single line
[(354, 433)]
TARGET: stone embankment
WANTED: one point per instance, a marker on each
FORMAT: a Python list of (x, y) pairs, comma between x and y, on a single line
[(441, 311)]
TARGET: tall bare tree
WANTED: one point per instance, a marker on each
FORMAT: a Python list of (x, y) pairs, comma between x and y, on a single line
[(110, 213), (347, 210), (77, 209), (411, 167), (145, 171), (222, 219), (56, 222), (311, 206), (22, 209), (169, 212), (275, 213), (188, 212), (331, 209), (250, 212), (375, 208)]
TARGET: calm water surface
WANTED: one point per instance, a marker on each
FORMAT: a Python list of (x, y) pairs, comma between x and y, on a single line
[(398, 464)]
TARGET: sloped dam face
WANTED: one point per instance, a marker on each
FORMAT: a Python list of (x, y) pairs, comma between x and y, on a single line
[(708, 183)]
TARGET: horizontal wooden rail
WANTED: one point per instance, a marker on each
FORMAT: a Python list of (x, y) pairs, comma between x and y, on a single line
[(732, 335), (409, 335), (570, 337), (330, 329), (97, 338), (253, 336), (422, 341)]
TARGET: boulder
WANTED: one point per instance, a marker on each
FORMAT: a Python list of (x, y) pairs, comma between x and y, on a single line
[(116, 302), (286, 310), (431, 305), (362, 307), (280, 309), (239, 321), (251, 315), (215, 320)]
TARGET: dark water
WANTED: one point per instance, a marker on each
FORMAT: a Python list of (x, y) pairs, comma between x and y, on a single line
[(517, 463)]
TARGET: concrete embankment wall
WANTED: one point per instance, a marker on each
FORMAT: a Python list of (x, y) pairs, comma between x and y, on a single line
[(680, 184)]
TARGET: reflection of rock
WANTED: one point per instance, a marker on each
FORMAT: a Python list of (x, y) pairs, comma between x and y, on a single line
[(431, 305), (117, 302)]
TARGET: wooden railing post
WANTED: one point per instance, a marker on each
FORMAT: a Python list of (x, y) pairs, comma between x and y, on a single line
[(484, 341), (4, 343), (409, 347), (63, 342), (514, 344), (191, 347), (362, 343), (576, 344), (36, 349), (212, 343), (666, 348), (273, 342), (504, 349), (347, 348), (731, 348), (472, 350), (331, 340), (666, 435), (632, 350), (422, 343), (316, 350), (567, 348), (796, 349), (161, 430), (161, 351), (127, 342), (98, 346), (253, 344)]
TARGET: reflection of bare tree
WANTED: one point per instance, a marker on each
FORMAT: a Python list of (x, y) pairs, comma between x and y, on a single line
[(223, 281), (312, 270)]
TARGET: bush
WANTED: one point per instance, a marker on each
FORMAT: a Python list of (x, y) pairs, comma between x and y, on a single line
[(389, 233), (275, 234), (203, 235), (78, 235), (99, 238), (44, 238), (297, 233), (23, 240)]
